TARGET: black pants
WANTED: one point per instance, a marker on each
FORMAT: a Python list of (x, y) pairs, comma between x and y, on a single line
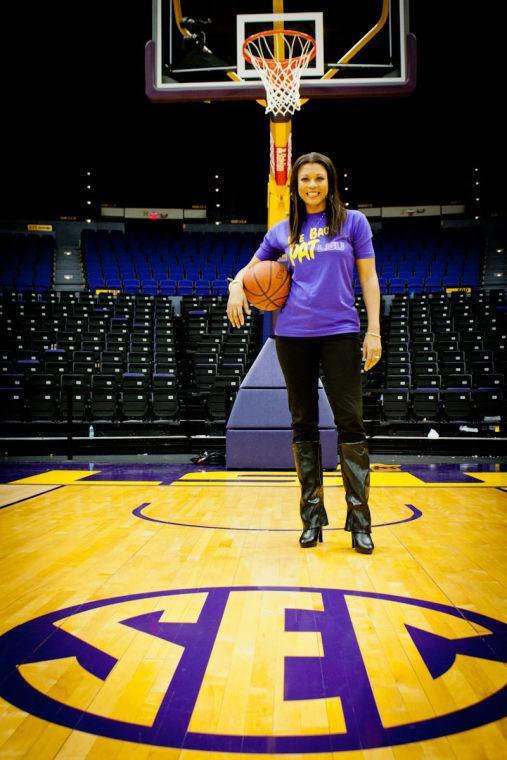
[(339, 356)]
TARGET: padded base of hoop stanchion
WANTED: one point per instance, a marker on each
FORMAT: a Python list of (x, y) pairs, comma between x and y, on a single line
[(272, 449), (267, 409), (259, 433)]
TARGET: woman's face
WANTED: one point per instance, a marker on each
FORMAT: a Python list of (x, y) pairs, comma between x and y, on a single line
[(313, 187)]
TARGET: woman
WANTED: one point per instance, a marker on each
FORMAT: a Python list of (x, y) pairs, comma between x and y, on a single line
[(319, 324)]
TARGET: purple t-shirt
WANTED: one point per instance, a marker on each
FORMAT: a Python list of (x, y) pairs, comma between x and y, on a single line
[(321, 298)]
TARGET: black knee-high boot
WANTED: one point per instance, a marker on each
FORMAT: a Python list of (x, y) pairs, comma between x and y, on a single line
[(308, 460), (355, 468)]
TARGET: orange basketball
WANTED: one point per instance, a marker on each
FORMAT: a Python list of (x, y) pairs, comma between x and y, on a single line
[(266, 285)]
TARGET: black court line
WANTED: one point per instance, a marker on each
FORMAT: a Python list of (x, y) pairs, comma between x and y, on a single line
[(28, 498)]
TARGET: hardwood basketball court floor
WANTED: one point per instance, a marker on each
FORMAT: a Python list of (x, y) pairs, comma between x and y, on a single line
[(167, 611)]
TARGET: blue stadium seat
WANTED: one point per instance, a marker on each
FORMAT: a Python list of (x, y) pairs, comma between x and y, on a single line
[(203, 287), (167, 287), (397, 285), (433, 283), (130, 285), (150, 286), (220, 287), (186, 287)]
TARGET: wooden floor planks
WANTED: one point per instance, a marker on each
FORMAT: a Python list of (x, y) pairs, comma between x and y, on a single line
[(440, 542)]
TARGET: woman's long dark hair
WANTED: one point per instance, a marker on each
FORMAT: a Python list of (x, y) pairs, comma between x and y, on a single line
[(336, 211)]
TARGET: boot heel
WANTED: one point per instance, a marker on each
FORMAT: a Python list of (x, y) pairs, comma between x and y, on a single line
[(310, 537), (362, 543)]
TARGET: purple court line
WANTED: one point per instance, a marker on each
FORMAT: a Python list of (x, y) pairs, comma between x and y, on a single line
[(283, 480), (133, 484), (231, 484), (171, 474), (173, 717), (138, 512), (27, 498)]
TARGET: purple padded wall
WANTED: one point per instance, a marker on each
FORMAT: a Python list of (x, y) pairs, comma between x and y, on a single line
[(272, 449), (259, 434)]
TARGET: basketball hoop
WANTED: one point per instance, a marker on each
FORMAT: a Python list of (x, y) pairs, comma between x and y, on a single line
[(280, 55)]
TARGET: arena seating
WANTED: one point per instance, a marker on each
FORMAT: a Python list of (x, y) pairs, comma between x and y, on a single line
[(26, 261), (443, 356), (199, 264), (178, 264), (117, 358), (424, 260), (130, 357)]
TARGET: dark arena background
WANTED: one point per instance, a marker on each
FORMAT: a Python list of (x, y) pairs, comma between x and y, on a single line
[(155, 600)]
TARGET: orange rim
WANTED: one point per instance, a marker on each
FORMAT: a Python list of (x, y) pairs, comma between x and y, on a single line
[(287, 62)]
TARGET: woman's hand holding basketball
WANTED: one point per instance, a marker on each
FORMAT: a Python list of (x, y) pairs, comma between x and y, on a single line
[(236, 304)]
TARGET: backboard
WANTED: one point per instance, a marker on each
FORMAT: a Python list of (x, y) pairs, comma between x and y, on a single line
[(195, 50)]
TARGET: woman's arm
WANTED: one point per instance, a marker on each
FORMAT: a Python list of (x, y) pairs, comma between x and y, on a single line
[(372, 347), (238, 302), (241, 273)]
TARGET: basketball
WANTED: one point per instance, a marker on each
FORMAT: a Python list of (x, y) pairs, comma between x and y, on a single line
[(266, 285)]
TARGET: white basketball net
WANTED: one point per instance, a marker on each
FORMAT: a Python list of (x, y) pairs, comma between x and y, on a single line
[(279, 56)]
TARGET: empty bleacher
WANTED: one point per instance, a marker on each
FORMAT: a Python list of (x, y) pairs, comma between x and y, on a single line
[(198, 263), (443, 356), (156, 350), (180, 264), (117, 358), (427, 259), (26, 261)]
